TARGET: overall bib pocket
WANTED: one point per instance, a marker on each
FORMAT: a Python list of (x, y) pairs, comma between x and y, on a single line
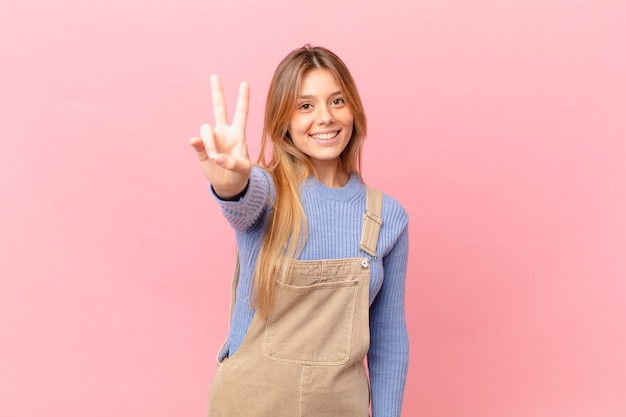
[(312, 324)]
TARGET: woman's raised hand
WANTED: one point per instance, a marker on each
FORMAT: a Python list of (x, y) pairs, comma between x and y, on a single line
[(222, 149)]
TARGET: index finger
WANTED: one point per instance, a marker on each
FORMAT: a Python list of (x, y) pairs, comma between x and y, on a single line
[(243, 103), (219, 104)]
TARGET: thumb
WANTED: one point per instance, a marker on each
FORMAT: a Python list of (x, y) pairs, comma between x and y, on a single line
[(233, 164)]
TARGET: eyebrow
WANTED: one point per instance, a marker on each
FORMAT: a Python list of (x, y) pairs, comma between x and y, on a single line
[(308, 96)]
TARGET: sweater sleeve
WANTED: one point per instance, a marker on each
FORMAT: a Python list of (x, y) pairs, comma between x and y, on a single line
[(244, 213), (389, 347)]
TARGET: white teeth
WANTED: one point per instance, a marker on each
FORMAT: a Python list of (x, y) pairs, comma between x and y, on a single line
[(324, 136)]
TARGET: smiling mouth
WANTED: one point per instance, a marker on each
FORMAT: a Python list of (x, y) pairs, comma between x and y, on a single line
[(324, 136)]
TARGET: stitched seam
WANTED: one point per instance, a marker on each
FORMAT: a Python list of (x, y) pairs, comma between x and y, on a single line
[(301, 387)]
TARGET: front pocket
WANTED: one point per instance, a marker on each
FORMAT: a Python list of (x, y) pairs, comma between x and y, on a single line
[(311, 324)]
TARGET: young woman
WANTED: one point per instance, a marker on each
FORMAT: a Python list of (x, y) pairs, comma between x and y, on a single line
[(320, 282)]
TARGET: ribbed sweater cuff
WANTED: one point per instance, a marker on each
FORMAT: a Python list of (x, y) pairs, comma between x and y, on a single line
[(244, 212)]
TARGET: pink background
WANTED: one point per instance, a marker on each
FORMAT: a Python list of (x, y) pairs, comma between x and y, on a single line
[(501, 126)]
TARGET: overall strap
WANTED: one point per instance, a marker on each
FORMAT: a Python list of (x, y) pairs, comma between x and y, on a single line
[(372, 221)]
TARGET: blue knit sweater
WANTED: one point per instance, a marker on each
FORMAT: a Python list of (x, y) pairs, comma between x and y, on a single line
[(335, 216)]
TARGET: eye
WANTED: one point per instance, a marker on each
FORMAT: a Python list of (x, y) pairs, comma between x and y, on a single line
[(305, 106), (338, 102)]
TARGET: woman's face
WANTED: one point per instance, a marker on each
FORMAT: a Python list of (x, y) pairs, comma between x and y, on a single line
[(321, 124)]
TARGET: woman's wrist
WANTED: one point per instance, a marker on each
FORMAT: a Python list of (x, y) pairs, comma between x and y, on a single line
[(228, 197)]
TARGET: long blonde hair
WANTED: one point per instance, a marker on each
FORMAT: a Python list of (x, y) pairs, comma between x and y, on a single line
[(287, 229)]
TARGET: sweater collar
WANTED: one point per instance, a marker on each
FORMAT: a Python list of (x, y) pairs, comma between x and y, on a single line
[(350, 191)]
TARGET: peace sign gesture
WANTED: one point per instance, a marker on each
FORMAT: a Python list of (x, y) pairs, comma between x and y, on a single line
[(222, 149)]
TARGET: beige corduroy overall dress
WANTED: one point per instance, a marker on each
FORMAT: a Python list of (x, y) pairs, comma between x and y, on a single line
[(306, 359)]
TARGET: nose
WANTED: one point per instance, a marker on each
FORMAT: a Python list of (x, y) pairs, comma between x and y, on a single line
[(325, 115)]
